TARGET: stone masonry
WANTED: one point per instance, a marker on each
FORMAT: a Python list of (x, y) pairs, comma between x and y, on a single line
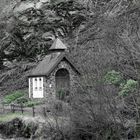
[(51, 91)]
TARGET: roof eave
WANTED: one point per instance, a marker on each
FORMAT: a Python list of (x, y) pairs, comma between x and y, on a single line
[(37, 75), (71, 63)]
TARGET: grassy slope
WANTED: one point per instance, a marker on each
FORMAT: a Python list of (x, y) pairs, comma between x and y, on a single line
[(9, 117)]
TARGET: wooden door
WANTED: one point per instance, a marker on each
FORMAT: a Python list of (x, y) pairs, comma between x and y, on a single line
[(62, 80)]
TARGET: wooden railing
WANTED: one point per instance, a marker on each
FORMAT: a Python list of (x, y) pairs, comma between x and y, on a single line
[(15, 107), (20, 108)]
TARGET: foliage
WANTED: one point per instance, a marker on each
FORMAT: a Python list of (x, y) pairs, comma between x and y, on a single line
[(52, 128), (131, 86), (22, 100), (32, 103), (108, 39), (28, 102), (62, 94), (94, 110), (113, 77), (12, 97), (18, 128), (29, 129), (8, 117)]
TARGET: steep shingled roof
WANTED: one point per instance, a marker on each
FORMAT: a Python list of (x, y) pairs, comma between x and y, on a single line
[(48, 64)]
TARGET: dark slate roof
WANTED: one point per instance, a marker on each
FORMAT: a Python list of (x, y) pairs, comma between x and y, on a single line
[(47, 65)]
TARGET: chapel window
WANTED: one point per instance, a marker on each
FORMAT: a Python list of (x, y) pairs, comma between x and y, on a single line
[(40, 84), (35, 83)]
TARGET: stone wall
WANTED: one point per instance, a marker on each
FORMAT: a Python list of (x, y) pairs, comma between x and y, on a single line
[(50, 81)]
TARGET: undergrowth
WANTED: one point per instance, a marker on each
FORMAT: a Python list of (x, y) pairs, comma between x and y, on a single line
[(12, 97)]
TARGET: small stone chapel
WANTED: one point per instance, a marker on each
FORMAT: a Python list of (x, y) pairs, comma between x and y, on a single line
[(54, 74)]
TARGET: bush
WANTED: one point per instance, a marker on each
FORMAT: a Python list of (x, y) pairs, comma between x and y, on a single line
[(130, 87), (32, 103), (62, 94), (113, 77), (18, 128), (21, 100), (12, 97)]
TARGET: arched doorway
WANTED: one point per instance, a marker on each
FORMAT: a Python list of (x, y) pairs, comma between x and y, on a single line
[(62, 79)]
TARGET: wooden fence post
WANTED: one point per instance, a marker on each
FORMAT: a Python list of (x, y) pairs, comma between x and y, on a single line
[(33, 111), (13, 108), (44, 112)]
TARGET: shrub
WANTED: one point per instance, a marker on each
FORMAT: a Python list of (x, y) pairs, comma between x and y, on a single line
[(130, 87), (21, 100), (62, 94), (113, 77), (32, 103), (12, 97), (18, 128)]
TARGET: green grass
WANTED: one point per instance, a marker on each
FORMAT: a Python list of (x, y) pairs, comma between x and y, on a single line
[(12, 97), (19, 97), (33, 103), (22, 100), (9, 117)]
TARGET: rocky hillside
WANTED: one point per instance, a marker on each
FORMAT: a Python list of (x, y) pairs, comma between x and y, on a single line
[(101, 35)]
